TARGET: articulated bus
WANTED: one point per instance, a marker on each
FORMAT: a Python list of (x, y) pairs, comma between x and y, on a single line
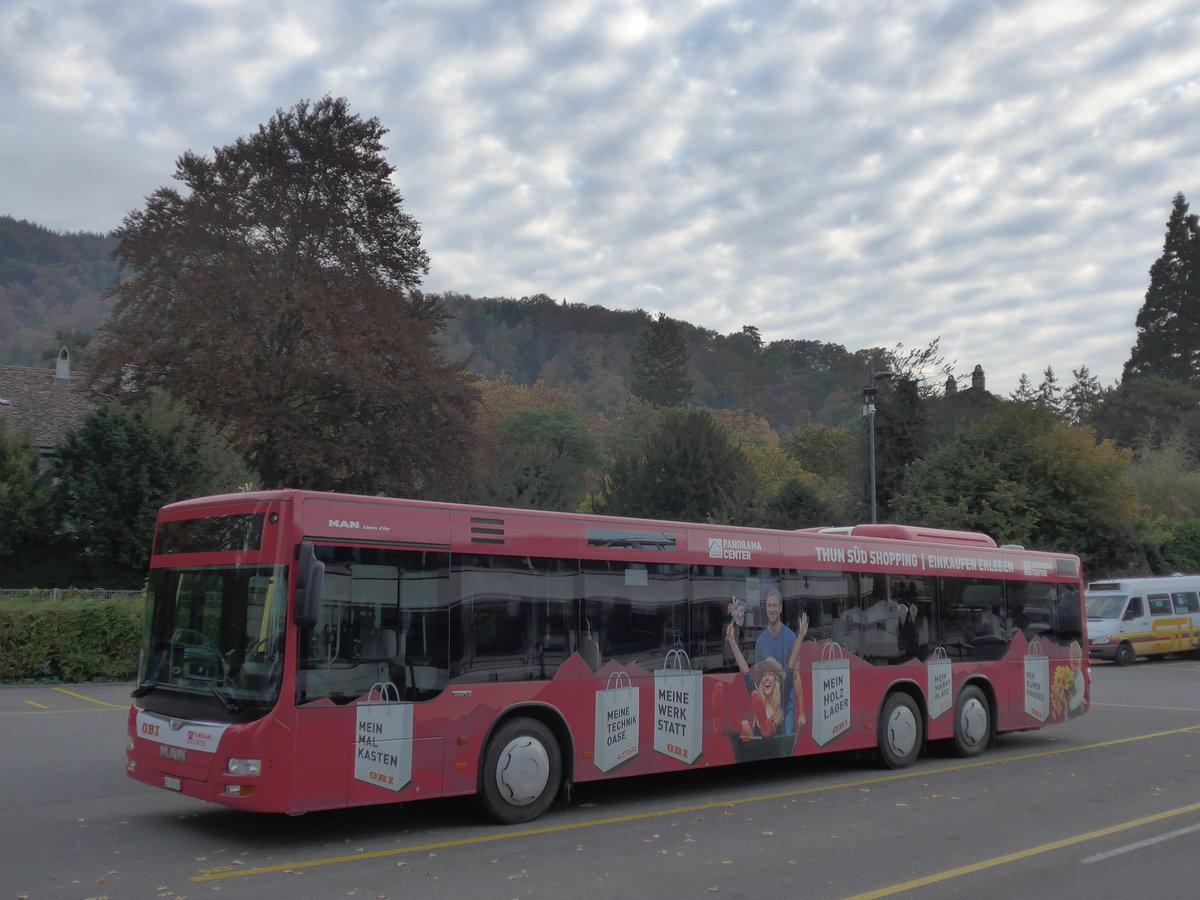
[(1134, 617), (307, 651)]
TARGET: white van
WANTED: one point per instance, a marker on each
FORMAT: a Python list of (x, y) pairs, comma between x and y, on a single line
[(1134, 617)]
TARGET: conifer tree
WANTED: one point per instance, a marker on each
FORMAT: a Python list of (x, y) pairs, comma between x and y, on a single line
[(1024, 392), (1050, 392), (1168, 324), (660, 365), (1082, 396)]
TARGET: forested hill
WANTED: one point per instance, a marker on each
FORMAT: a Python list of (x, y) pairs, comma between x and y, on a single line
[(52, 282), (588, 349), (49, 282)]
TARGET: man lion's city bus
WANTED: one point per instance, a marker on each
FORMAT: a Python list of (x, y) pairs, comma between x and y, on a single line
[(307, 651)]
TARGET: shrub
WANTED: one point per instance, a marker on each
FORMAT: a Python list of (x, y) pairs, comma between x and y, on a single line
[(70, 640)]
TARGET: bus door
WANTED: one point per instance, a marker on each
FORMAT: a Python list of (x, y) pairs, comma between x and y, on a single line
[(1166, 627)]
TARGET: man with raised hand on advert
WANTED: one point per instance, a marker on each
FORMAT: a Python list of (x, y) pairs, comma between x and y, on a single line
[(776, 640)]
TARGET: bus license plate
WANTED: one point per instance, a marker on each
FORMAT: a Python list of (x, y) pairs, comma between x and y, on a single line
[(172, 784)]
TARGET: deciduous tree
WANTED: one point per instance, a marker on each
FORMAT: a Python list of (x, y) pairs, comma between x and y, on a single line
[(277, 293), (544, 455), (1023, 477)]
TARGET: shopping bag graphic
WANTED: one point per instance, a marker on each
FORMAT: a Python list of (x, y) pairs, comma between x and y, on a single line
[(616, 722), (678, 708), (830, 693), (383, 738), (941, 683), (1037, 681)]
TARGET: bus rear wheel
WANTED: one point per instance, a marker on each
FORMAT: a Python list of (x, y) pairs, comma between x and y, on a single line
[(901, 731), (522, 771), (1124, 654), (972, 722)]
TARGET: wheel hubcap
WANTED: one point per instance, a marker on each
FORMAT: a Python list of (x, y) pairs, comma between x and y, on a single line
[(973, 722), (523, 771), (902, 731)]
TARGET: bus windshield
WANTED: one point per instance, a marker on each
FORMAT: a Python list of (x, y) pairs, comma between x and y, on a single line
[(1106, 606), (217, 633)]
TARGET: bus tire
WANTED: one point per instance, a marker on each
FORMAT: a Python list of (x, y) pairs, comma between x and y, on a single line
[(901, 731), (1124, 654), (972, 722), (522, 771)]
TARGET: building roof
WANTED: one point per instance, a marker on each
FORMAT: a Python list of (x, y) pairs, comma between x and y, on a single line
[(43, 403)]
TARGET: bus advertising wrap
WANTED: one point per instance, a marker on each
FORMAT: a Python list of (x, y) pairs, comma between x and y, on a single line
[(831, 693), (617, 721), (383, 739), (678, 708)]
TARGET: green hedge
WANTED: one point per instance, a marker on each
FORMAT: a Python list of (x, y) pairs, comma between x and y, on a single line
[(70, 640)]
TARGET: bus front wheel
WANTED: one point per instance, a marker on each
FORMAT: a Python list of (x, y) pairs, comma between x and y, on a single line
[(1124, 654), (522, 771), (972, 722), (900, 731)]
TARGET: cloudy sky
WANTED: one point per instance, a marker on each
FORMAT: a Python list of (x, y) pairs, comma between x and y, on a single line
[(865, 172)]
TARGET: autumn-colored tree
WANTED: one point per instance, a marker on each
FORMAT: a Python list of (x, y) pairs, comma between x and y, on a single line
[(747, 428), (502, 398), (277, 294), (823, 450)]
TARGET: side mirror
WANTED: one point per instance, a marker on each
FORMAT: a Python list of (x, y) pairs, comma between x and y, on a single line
[(310, 571)]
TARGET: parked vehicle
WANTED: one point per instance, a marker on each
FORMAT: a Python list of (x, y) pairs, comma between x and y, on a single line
[(1133, 617)]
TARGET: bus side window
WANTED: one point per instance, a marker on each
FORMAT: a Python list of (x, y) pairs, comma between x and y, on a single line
[(381, 618), (637, 611), (1134, 610)]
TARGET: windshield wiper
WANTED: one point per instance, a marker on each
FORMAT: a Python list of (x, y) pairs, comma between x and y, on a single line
[(144, 688), (226, 701)]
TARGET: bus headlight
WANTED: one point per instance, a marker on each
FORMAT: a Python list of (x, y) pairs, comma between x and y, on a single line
[(243, 767)]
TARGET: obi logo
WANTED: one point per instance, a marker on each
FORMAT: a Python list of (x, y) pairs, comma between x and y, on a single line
[(382, 779), (149, 729)]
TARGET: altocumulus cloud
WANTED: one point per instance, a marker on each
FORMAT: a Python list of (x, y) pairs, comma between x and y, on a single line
[(994, 173)]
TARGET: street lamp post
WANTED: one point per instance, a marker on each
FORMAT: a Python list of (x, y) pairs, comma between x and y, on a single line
[(869, 393)]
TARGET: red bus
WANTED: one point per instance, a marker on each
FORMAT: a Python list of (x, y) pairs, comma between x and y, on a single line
[(307, 651)]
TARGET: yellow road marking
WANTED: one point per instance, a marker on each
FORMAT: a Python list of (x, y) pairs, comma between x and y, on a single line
[(38, 705), (1023, 854), (89, 699), (230, 872)]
